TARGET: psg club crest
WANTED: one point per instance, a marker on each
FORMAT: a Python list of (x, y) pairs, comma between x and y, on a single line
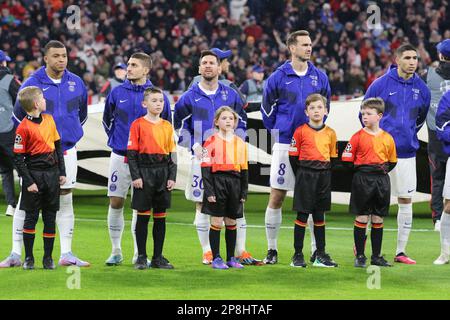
[(197, 193), (113, 187), (280, 180), (224, 94)]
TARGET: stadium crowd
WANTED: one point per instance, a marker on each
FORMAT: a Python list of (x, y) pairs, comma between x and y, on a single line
[(352, 52)]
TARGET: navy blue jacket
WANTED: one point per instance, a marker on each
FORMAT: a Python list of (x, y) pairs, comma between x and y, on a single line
[(406, 107), (66, 102), (285, 93), (443, 121), (194, 114), (124, 105)]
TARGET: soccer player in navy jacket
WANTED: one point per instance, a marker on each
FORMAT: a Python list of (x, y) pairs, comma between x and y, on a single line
[(283, 111), (66, 98), (407, 100), (124, 105)]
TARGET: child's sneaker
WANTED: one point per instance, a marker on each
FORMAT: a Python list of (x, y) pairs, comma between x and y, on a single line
[(141, 262), (379, 261), (47, 263), (234, 263), (160, 263), (218, 263), (298, 261), (28, 264), (324, 260), (360, 261)]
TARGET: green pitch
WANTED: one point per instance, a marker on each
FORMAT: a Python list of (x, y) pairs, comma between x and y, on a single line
[(192, 280)]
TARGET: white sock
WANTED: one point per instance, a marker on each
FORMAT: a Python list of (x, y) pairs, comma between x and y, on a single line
[(116, 224), (133, 232), (404, 221), (17, 230), (202, 224), (311, 229), (65, 221), (273, 222), (241, 235), (445, 233)]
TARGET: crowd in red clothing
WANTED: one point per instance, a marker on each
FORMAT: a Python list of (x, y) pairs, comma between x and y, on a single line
[(174, 32)]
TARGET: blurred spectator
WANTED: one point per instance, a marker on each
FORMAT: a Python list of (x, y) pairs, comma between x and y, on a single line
[(120, 73), (252, 88)]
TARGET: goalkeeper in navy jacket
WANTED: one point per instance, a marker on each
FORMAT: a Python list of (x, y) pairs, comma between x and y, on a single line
[(283, 111), (66, 98), (443, 133), (407, 100), (194, 124), (124, 105)]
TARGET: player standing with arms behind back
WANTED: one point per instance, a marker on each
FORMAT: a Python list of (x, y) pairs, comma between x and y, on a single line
[(283, 110)]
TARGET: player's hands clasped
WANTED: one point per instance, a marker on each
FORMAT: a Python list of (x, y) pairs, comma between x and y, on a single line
[(62, 180), (33, 188), (170, 185), (212, 198), (138, 184)]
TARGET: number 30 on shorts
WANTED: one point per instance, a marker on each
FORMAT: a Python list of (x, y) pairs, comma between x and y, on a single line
[(197, 182)]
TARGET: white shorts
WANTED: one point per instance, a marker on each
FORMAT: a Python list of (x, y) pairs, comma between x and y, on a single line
[(194, 186), (446, 191), (281, 174), (403, 178), (70, 162), (119, 179)]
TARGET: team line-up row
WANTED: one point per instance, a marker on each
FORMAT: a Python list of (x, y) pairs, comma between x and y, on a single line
[(143, 150)]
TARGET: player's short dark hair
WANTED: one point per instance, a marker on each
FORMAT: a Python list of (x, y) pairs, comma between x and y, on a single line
[(205, 53), (27, 97), (403, 48), (53, 44), (145, 58), (292, 37), (315, 97), (152, 90), (373, 103)]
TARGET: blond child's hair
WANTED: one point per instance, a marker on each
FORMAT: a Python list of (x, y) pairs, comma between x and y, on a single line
[(315, 97), (152, 90), (28, 97), (223, 109), (373, 103)]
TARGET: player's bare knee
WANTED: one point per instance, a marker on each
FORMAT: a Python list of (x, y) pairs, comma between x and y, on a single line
[(362, 219), (447, 206), (116, 202), (229, 222), (64, 192), (276, 198), (404, 200), (217, 222), (377, 219)]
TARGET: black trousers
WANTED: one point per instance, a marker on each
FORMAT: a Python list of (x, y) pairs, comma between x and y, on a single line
[(437, 160)]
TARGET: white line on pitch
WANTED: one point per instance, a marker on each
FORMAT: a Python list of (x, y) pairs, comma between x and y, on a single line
[(259, 226)]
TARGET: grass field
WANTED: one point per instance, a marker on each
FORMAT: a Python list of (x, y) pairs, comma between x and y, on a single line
[(192, 280)]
